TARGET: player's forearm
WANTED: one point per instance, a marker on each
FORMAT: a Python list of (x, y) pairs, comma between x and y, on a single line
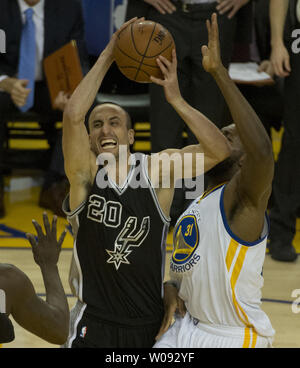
[(85, 93), (207, 134), (56, 300), (252, 133), (278, 11)]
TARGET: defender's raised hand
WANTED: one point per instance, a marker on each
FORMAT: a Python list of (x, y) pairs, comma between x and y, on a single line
[(211, 53), (170, 81), (46, 248)]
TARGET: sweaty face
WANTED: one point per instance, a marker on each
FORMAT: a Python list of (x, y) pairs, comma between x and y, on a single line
[(233, 138), (224, 167), (108, 129)]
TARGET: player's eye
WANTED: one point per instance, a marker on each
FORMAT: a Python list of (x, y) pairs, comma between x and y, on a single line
[(97, 124)]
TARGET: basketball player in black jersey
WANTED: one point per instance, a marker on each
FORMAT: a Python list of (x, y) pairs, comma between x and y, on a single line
[(48, 319), (120, 229)]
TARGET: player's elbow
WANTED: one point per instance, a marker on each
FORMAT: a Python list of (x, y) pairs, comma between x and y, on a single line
[(222, 152), (60, 330)]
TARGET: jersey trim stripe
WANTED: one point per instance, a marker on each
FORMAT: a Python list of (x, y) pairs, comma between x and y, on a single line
[(74, 325), (234, 248), (207, 193), (79, 291), (163, 252), (250, 337), (121, 189), (66, 207), (231, 252), (247, 338), (227, 227), (164, 218), (254, 338)]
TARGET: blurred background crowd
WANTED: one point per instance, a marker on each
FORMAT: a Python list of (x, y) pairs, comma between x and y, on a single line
[(256, 31)]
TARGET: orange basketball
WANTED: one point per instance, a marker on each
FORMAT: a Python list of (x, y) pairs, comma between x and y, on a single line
[(138, 47)]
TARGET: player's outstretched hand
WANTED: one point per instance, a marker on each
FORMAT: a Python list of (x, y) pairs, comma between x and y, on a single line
[(172, 303), (211, 53), (170, 81), (109, 49), (46, 248)]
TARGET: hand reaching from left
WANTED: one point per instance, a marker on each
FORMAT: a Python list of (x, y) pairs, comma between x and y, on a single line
[(46, 248), (172, 303)]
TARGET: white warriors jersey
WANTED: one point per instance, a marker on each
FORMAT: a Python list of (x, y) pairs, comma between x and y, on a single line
[(219, 275)]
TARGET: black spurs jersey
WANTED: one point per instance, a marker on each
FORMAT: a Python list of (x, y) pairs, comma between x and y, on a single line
[(119, 248)]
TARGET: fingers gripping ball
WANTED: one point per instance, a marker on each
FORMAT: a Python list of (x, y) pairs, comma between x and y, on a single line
[(138, 47)]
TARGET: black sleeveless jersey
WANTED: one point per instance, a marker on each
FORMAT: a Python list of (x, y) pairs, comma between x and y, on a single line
[(120, 249), (7, 333)]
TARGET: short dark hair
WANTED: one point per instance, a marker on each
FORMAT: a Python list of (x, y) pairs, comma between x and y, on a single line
[(95, 104)]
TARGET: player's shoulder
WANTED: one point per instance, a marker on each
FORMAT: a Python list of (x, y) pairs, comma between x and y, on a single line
[(12, 276)]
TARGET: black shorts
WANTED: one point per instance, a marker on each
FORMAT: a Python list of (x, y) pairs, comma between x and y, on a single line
[(92, 332)]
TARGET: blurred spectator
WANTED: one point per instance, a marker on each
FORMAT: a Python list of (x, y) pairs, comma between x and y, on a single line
[(266, 100), (186, 21), (102, 19), (286, 185), (34, 29)]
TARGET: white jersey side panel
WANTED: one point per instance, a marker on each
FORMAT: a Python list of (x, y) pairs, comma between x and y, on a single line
[(220, 276)]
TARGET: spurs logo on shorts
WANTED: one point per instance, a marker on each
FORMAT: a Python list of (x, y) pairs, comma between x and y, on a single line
[(128, 238), (186, 240)]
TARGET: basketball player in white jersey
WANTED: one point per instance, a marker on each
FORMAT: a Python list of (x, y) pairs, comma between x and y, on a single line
[(120, 231), (220, 240)]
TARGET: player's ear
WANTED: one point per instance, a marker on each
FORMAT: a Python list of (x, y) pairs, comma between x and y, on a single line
[(131, 136)]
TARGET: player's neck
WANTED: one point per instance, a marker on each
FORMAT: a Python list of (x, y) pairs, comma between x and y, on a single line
[(121, 170), (215, 181)]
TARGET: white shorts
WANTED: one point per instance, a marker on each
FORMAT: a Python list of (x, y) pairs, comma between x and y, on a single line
[(187, 332)]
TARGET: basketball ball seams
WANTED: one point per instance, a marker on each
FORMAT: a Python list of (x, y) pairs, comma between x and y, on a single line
[(150, 38), (130, 57), (133, 41), (134, 67), (139, 46), (137, 61), (160, 52)]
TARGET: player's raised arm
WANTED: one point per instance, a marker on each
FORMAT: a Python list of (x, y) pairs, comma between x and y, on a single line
[(250, 188), (211, 141), (47, 319), (79, 162)]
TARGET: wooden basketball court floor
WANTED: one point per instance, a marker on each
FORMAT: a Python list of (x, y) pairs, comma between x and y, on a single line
[(279, 295)]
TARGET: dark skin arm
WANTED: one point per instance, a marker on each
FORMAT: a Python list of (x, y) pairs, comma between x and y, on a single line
[(247, 193), (47, 319)]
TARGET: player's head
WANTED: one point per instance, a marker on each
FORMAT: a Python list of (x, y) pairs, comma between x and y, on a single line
[(227, 168), (109, 127)]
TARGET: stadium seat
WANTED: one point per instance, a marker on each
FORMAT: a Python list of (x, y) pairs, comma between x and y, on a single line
[(26, 143)]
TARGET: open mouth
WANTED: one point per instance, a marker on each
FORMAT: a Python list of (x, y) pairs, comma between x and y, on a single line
[(108, 143)]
